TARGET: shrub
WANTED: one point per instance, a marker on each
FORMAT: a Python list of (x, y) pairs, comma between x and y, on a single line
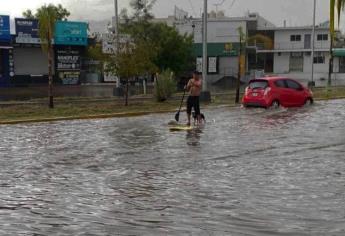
[(165, 85)]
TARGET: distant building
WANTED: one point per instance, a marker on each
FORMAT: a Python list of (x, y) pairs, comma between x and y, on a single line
[(6, 52), (30, 62), (223, 42), (291, 54)]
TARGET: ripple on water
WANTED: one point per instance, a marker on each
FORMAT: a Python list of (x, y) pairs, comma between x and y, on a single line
[(247, 172)]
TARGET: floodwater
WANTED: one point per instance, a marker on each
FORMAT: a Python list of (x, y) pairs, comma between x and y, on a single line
[(247, 172)]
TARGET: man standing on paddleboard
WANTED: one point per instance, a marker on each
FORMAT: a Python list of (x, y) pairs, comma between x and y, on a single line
[(194, 87)]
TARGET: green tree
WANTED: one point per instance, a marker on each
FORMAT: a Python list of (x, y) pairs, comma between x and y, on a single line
[(133, 59), (60, 12), (336, 7), (244, 39), (47, 16), (142, 9), (28, 14), (174, 51), (165, 85)]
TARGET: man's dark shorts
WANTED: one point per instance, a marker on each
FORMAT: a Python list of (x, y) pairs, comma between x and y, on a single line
[(193, 102)]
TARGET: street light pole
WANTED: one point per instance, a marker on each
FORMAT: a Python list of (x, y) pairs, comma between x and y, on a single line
[(205, 95), (204, 45), (118, 90), (116, 23), (313, 47)]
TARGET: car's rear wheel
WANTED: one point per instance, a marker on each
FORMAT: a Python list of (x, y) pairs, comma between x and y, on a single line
[(275, 104), (308, 102)]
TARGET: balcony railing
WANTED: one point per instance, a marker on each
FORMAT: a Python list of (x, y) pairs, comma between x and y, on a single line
[(291, 45)]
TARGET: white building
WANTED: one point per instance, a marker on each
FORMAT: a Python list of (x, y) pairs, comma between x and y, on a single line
[(291, 54), (223, 41)]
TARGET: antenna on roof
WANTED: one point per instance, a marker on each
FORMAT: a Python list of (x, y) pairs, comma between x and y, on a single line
[(218, 4)]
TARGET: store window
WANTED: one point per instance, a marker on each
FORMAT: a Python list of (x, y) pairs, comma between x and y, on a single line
[(322, 37), (341, 64), (296, 62), (295, 38), (319, 58)]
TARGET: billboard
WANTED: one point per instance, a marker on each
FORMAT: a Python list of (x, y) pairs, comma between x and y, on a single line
[(68, 65), (5, 34), (108, 43), (70, 33), (27, 31), (67, 60)]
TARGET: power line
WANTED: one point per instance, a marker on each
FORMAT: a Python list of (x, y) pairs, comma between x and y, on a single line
[(218, 4), (232, 4), (191, 4)]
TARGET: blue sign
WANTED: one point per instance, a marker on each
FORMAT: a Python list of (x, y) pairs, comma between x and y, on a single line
[(5, 34), (27, 27), (70, 33), (27, 31)]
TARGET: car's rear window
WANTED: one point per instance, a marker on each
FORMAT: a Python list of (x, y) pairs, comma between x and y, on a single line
[(280, 83), (258, 84)]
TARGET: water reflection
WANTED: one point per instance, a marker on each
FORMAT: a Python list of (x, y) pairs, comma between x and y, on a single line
[(193, 136)]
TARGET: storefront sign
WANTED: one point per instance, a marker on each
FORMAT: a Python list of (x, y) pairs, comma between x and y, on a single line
[(68, 65), (5, 35), (69, 77), (27, 31), (108, 43), (70, 33), (199, 64), (68, 60), (212, 65), (11, 62)]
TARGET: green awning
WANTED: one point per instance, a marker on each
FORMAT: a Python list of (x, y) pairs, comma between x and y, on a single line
[(339, 52), (218, 49)]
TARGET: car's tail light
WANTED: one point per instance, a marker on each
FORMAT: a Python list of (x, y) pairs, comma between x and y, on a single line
[(267, 90), (246, 91)]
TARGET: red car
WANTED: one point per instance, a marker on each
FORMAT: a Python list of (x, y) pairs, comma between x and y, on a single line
[(275, 91)]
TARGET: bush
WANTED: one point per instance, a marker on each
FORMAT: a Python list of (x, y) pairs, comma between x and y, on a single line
[(165, 85)]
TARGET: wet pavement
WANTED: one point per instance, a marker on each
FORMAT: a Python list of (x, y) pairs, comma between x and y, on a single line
[(247, 172)]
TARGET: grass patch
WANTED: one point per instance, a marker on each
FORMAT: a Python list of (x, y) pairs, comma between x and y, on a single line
[(112, 107), (29, 112)]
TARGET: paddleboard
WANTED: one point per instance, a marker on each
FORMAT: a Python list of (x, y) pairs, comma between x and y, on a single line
[(180, 128)]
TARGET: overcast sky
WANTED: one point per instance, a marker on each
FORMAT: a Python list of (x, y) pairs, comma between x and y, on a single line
[(295, 12)]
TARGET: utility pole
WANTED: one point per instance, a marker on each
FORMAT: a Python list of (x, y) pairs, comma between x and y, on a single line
[(330, 69), (118, 90), (238, 83), (205, 94), (312, 84)]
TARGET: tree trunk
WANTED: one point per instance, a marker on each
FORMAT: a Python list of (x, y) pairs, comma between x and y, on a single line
[(50, 77), (127, 82), (330, 70), (237, 99)]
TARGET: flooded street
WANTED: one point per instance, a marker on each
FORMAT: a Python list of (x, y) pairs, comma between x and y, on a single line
[(247, 172)]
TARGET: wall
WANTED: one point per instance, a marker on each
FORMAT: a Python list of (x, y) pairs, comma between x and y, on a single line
[(219, 30), (228, 66), (28, 61), (281, 63), (282, 39)]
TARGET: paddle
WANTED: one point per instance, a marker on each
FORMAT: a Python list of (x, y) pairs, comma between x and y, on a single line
[(177, 115)]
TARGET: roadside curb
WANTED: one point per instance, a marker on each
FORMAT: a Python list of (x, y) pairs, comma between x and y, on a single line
[(90, 117), (129, 114), (106, 116)]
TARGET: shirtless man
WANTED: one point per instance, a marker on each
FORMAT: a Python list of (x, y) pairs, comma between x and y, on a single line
[(194, 87)]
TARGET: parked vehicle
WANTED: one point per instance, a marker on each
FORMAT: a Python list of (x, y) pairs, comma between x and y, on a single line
[(276, 91)]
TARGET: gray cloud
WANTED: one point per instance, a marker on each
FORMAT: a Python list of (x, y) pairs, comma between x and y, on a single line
[(295, 12)]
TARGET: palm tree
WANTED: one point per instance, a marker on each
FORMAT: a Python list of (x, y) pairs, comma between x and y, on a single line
[(47, 16), (336, 6), (260, 38)]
